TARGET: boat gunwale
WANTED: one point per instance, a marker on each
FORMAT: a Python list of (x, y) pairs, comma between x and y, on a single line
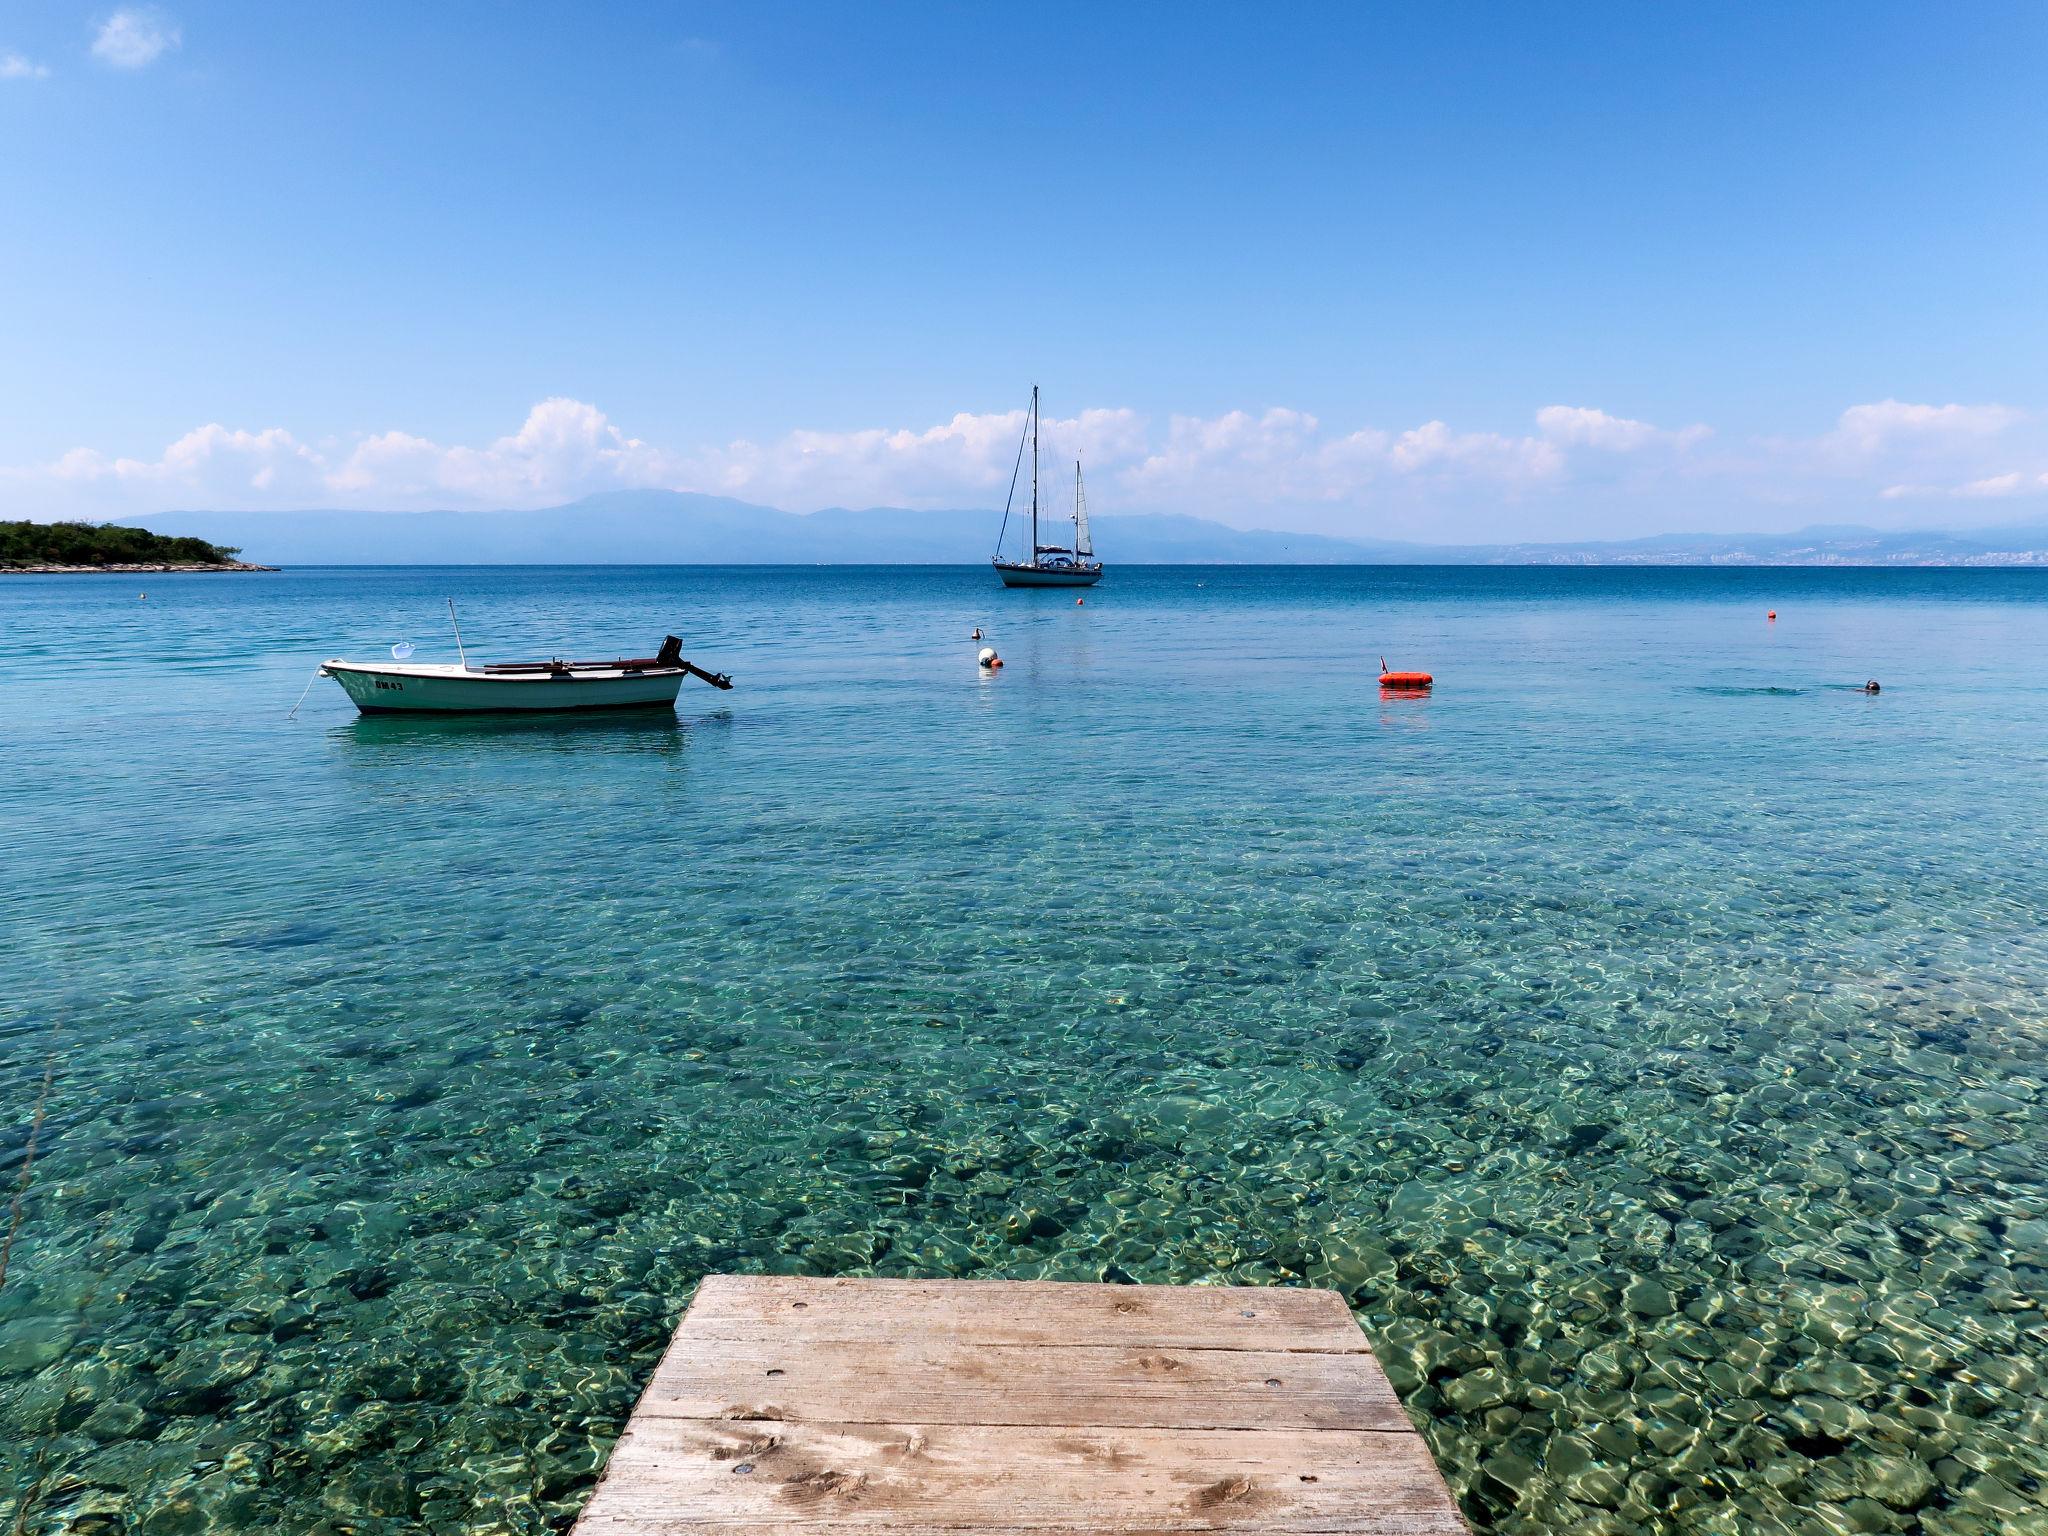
[(541, 672)]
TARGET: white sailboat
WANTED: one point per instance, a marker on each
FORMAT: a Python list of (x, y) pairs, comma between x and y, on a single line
[(1050, 565)]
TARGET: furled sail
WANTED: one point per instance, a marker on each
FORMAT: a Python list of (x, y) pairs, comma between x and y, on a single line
[(1082, 547)]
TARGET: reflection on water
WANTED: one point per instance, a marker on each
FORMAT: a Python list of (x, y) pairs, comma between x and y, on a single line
[(1663, 1082), (622, 730)]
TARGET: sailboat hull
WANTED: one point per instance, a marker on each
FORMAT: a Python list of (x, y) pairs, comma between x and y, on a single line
[(1040, 576)]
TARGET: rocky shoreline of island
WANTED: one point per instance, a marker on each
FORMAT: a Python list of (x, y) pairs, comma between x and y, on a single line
[(144, 568), (109, 549)]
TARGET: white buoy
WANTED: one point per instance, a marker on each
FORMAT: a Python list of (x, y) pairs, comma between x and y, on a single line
[(988, 654)]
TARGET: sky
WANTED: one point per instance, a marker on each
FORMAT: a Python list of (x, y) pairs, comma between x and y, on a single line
[(1446, 272)]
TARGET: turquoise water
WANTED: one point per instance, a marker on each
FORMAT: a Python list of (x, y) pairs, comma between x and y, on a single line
[(1645, 1031)]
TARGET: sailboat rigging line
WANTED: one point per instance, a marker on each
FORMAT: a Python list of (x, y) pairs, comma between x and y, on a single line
[(1015, 470)]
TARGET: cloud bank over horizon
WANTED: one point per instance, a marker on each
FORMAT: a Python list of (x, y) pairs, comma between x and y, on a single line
[(1887, 462)]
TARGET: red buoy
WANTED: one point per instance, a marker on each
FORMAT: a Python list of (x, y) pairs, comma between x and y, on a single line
[(1410, 680)]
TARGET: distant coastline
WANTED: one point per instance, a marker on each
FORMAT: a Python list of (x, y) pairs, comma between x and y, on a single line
[(684, 528), (145, 568)]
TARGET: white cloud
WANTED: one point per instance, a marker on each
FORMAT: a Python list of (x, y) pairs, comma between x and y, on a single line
[(964, 461), (1585, 427), (135, 37), (1433, 446), (1578, 468), (564, 449), (1283, 456), (1990, 486), (1235, 457), (208, 461), (14, 67), (1869, 430), (1913, 452)]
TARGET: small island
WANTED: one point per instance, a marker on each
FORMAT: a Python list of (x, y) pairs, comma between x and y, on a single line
[(82, 548)]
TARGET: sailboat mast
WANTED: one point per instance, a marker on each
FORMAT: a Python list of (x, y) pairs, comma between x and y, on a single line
[(1034, 474)]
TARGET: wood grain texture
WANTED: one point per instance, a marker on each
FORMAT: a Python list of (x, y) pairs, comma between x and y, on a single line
[(802, 1407), (945, 1382), (1044, 1313), (868, 1475)]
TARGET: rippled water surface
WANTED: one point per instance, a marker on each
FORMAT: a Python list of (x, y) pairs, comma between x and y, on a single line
[(1646, 1032)]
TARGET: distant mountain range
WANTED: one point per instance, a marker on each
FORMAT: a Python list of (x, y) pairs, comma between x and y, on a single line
[(683, 528)]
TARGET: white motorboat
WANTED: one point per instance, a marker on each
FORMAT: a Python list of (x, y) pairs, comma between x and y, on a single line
[(403, 687)]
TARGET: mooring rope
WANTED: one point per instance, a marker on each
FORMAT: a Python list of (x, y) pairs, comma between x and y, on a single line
[(302, 697)]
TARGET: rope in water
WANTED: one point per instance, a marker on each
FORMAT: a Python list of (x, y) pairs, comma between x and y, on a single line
[(302, 697)]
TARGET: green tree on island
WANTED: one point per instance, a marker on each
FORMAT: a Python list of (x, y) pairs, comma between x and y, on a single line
[(26, 543)]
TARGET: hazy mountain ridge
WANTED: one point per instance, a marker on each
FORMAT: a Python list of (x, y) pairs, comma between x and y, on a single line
[(686, 528)]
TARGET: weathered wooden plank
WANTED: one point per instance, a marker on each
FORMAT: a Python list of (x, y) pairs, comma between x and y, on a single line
[(776, 1308), (686, 1475), (942, 1381), (821, 1407)]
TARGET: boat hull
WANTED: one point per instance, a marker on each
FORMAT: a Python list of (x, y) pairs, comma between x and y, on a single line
[(394, 691), (1039, 576)]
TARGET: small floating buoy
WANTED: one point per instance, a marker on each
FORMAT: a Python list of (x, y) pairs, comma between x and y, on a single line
[(1772, 616), (989, 659), (977, 633), (1412, 681), (1079, 601), (1871, 687), (142, 596)]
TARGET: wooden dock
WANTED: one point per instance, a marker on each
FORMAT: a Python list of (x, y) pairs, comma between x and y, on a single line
[(809, 1407)]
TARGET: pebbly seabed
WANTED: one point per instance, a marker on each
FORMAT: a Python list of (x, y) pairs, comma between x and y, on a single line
[(1644, 1031)]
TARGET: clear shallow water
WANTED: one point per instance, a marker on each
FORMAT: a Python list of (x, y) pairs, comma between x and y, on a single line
[(1645, 1031)]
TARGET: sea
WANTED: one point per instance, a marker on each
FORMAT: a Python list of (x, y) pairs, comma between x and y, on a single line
[(1644, 1030)]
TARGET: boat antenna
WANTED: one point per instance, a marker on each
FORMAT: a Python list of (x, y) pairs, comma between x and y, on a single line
[(462, 654)]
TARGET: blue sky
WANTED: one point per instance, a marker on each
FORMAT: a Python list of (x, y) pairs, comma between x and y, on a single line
[(1434, 271)]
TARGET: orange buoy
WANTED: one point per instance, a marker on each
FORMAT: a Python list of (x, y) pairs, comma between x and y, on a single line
[(1080, 602), (1412, 680), (1772, 616)]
